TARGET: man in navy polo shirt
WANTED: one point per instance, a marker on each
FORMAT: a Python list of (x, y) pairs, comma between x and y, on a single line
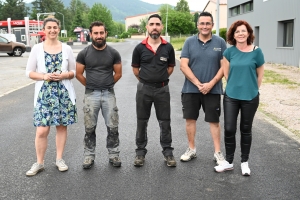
[(200, 62), (153, 61)]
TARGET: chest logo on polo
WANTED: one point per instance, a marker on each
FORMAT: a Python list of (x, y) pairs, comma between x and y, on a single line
[(217, 49), (163, 59)]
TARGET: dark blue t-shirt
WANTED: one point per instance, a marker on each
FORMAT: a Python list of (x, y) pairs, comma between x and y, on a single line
[(204, 61)]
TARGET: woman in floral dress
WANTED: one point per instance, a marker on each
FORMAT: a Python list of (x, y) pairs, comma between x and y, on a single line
[(52, 64)]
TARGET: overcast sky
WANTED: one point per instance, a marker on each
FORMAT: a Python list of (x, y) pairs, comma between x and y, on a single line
[(196, 5)]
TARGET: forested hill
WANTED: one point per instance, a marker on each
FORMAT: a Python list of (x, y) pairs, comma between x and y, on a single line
[(120, 9)]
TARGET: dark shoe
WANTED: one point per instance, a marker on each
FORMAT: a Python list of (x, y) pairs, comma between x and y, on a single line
[(116, 162), (139, 161), (170, 161), (87, 163)]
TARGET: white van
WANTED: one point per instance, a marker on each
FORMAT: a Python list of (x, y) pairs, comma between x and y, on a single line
[(9, 37)]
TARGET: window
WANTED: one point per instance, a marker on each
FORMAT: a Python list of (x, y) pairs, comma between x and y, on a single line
[(248, 6), (288, 29), (285, 33), (235, 11)]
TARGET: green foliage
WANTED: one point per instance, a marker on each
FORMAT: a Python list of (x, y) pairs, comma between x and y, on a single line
[(178, 22), (14, 9), (182, 6), (124, 35), (143, 24), (222, 33), (132, 31), (100, 12), (118, 28)]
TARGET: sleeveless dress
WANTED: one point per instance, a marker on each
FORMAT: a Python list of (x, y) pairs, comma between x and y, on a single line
[(54, 106)]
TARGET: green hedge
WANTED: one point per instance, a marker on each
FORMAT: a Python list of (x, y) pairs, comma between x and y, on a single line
[(222, 33)]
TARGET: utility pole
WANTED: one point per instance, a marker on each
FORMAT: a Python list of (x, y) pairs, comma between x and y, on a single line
[(217, 18)]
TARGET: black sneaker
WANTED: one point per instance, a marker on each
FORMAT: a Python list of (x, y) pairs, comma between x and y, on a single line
[(170, 161), (116, 162), (87, 163), (139, 161)]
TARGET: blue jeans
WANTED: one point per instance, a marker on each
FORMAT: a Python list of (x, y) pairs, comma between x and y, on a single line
[(94, 100)]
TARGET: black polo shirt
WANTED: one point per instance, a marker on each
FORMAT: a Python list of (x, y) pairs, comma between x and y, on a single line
[(153, 65)]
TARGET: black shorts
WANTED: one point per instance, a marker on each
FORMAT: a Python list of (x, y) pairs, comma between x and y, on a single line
[(192, 102)]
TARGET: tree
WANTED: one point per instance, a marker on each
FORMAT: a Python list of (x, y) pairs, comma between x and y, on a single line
[(143, 24), (76, 15), (100, 12), (14, 9), (47, 6), (178, 22), (182, 6)]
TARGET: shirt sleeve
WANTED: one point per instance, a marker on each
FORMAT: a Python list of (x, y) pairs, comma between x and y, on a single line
[(185, 50), (260, 60), (80, 57), (223, 46), (71, 61), (32, 60), (136, 58), (226, 54), (117, 57), (172, 61)]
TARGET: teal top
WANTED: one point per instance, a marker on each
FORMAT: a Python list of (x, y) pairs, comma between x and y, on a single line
[(242, 78)]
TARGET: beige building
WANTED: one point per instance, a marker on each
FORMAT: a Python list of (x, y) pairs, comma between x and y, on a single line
[(136, 20), (211, 7)]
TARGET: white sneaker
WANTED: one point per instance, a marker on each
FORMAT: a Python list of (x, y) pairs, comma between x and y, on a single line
[(61, 165), (188, 155), (245, 169), (36, 168), (218, 157), (224, 166)]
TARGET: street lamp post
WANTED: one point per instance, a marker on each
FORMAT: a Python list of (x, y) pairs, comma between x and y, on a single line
[(63, 22)]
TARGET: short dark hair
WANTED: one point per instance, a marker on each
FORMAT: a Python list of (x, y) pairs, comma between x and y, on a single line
[(97, 23), (232, 29), (206, 14), (154, 15), (51, 19)]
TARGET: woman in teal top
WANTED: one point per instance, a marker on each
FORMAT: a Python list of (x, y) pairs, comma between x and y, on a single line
[(243, 70)]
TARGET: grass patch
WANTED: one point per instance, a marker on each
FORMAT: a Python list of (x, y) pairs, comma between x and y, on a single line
[(276, 119), (177, 43), (111, 39), (273, 77)]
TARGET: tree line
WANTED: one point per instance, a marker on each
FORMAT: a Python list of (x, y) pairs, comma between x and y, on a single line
[(79, 14)]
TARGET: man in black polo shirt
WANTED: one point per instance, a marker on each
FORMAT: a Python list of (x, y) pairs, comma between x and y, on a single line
[(153, 61)]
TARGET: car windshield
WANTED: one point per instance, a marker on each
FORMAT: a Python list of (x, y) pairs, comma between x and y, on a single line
[(3, 40)]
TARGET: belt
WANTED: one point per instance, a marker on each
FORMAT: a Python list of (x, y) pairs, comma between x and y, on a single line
[(156, 84)]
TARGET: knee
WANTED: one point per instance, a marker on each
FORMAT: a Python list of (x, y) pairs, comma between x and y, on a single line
[(190, 123)]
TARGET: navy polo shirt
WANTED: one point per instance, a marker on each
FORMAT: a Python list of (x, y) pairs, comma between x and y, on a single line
[(153, 65), (204, 61)]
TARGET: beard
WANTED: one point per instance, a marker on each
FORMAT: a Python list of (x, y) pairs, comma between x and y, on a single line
[(154, 35), (98, 43)]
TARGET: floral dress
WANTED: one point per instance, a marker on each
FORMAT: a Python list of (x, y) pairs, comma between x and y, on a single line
[(54, 106)]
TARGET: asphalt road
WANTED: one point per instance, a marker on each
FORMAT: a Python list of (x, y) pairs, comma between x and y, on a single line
[(274, 159)]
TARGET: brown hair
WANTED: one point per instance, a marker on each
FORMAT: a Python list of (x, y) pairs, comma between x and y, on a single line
[(51, 19), (232, 29)]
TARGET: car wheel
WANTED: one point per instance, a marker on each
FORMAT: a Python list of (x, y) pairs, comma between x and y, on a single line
[(17, 51), (10, 54)]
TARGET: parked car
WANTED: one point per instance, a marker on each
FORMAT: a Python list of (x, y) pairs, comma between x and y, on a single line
[(11, 48)]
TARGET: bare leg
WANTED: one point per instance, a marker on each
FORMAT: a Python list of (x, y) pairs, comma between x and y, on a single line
[(61, 138), (215, 131), (191, 132), (41, 142)]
